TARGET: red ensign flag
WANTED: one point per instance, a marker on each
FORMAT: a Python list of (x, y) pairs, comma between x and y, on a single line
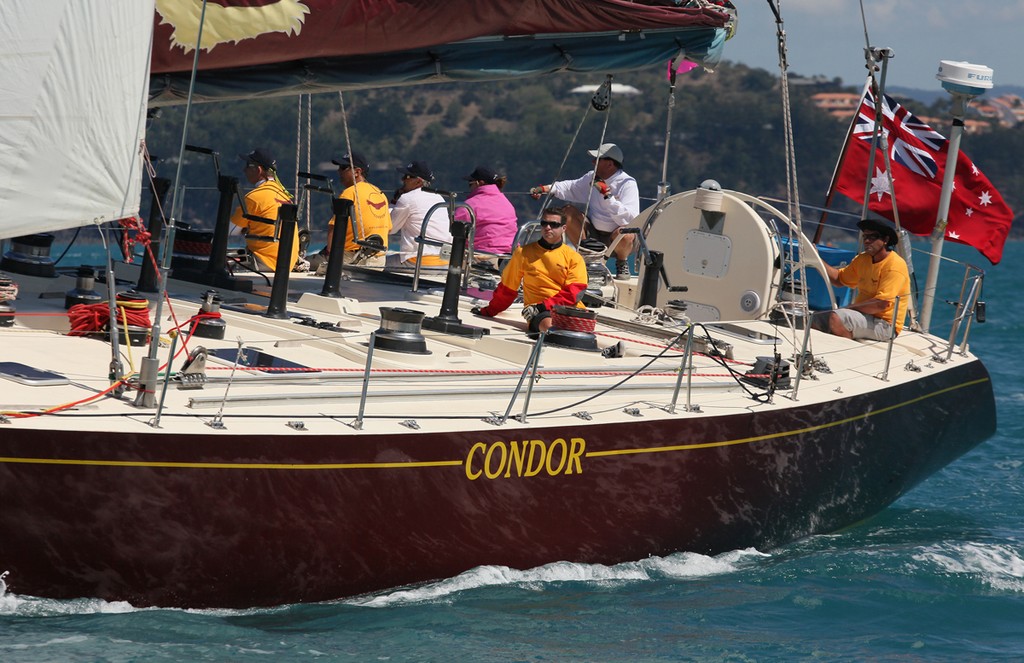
[(978, 216)]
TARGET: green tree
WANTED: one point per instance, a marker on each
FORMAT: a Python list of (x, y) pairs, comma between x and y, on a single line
[(727, 126)]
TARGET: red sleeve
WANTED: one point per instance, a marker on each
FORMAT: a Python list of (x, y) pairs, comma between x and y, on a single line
[(576, 282), (501, 300), (567, 296)]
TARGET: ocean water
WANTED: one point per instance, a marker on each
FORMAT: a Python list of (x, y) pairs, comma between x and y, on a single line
[(938, 576)]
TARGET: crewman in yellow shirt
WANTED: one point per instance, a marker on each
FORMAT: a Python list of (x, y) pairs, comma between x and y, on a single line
[(551, 273), (370, 212), (263, 201), (881, 276)]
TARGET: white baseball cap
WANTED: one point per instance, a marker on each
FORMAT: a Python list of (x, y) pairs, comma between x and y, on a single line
[(607, 151)]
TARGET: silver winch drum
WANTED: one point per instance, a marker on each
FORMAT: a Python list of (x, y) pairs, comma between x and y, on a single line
[(400, 331), (83, 292), (30, 255)]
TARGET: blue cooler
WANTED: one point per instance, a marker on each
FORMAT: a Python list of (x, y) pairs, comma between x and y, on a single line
[(817, 295)]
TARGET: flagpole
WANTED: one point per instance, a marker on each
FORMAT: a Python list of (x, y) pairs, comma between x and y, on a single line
[(881, 139), (878, 92), (964, 81), (872, 57)]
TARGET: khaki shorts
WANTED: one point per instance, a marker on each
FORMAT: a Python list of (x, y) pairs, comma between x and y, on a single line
[(862, 325)]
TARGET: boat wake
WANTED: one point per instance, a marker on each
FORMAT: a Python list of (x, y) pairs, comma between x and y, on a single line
[(678, 565), (997, 566), (31, 606), (1001, 567)]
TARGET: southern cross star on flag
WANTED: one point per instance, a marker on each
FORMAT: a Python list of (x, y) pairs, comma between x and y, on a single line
[(978, 216)]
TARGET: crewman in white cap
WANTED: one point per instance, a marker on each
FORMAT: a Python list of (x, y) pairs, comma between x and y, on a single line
[(612, 200)]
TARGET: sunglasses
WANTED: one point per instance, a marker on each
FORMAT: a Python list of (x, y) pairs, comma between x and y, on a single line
[(870, 237), (552, 224)]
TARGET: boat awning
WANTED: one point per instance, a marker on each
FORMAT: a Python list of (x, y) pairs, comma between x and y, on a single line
[(269, 48)]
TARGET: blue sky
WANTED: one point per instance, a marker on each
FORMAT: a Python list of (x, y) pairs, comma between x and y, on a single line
[(827, 37)]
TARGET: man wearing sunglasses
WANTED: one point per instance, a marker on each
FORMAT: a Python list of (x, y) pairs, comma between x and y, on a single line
[(880, 276), (551, 272), (412, 204), (370, 212)]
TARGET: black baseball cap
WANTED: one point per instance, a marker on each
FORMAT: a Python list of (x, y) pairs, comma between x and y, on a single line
[(482, 174), (358, 160), (883, 227), (260, 157), (418, 169)]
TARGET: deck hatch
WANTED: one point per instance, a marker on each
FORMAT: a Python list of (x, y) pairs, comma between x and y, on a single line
[(29, 375)]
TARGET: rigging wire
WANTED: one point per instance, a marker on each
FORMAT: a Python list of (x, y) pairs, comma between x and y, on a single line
[(793, 197), (150, 360), (309, 155), (870, 65), (565, 158), (864, 22), (663, 186), (70, 244), (604, 132), (305, 110), (873, 56), (348, 150), (793, 263), (599, 101), (298, 144)]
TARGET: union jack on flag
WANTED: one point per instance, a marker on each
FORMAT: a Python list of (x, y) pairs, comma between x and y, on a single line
[(901, 151)]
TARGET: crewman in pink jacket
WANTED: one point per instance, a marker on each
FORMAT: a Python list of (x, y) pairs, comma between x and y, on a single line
[(496, 223)]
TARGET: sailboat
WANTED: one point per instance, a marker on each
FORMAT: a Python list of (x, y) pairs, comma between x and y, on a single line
[(217, 443)]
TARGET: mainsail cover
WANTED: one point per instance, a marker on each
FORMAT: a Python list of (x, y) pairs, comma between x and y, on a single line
[(253, 48), (72, 111)]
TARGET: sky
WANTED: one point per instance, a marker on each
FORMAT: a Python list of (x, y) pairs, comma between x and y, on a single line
[(827, 37)]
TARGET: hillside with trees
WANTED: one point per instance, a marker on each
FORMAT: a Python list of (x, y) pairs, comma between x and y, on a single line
[(727, 126)]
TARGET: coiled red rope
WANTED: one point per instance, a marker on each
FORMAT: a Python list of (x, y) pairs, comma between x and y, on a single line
[(91, 318), (573, 319)]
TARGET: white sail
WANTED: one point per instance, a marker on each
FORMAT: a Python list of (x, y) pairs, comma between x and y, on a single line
[(74, 76)]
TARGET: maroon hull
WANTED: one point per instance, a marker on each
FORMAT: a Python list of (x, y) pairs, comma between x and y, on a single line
[(214, 520)]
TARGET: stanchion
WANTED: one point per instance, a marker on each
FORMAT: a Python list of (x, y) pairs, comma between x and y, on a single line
[(278, 306), (342, 209)]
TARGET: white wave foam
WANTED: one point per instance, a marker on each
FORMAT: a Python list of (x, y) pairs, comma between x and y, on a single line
[(70, 640), (30, 606), (999, 566), (1014, 397), (678, 565)]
